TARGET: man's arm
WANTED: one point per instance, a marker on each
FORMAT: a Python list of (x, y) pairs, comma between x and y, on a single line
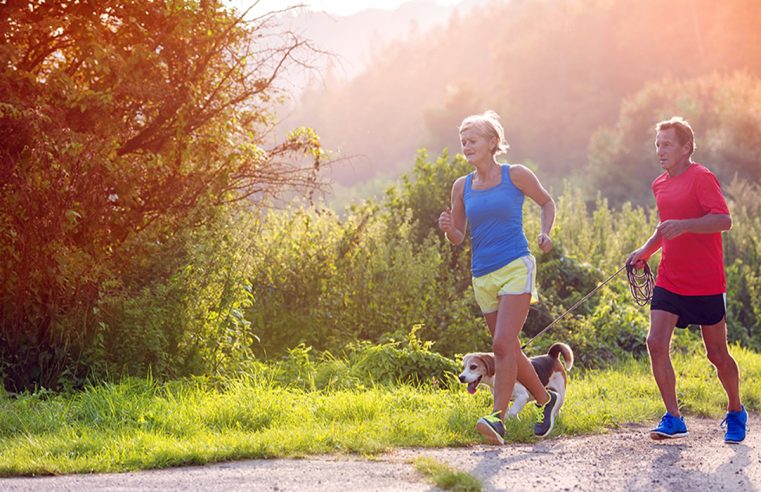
[(707, 224), (646, 250)]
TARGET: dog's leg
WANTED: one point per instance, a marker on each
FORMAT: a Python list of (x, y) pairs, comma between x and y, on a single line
[(557, 384), (561, 395), (520, 397)]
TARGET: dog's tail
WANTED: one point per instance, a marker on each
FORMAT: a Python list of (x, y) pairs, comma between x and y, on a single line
[(561, 348)]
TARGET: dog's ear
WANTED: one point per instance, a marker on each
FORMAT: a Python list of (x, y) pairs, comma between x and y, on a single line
[(488, 361)]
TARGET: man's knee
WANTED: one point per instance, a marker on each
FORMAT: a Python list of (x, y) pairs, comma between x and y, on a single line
[(658, 345), (661, 329), (719, 356)]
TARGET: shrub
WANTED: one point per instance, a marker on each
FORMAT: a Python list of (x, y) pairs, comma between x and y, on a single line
[(393, 362)]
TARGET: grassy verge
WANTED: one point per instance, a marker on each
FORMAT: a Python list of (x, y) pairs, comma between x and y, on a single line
[(445, 477), (139, 424)]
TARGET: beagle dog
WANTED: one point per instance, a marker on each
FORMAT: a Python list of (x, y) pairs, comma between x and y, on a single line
[(478, 368)]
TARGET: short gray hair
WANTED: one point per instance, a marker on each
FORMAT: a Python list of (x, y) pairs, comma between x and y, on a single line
[(487, 123), (682, 128)]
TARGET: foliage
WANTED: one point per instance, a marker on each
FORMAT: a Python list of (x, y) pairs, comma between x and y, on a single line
[(230, 288), (555, 81), (444, 477), (743, 259), (416, 363), (181, 308), (139, 423), (722, 111), (135, 161), (360, 365), (320, 282), (122, 124), (323, 281), (453, 317), (425, 191)]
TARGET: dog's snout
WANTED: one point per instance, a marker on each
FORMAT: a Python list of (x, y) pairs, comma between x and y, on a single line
[(462, 378)]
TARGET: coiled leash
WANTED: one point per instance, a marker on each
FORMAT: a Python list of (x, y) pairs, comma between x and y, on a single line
[(640, 285)]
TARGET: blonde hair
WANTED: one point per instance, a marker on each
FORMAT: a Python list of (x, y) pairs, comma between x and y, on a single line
[(683, 130), (488, 125)]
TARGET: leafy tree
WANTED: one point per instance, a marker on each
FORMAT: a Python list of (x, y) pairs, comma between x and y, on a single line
[(721, 110), (742, 246), (555, 70), (118, 120), (427, 190)]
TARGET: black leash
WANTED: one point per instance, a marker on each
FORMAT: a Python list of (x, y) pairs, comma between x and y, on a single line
[(640, 285)]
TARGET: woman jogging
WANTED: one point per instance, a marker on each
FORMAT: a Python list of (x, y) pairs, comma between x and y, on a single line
[(490, 199)]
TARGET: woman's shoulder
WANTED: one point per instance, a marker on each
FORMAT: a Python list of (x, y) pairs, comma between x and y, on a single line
[(519, 173), (516, 168), (461, 180), (459, 183)]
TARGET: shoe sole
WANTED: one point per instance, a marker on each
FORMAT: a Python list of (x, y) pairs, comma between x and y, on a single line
[(488, 432), (732, 441), (660, 436)]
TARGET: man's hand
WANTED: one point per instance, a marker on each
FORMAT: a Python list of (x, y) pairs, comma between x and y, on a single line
[(637, 259), (672, 228)]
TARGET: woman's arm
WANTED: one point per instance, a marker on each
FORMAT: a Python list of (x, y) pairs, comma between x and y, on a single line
[(529, 184), (453, 220)]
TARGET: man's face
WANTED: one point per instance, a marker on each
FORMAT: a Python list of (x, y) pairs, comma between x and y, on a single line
[(670, 152)]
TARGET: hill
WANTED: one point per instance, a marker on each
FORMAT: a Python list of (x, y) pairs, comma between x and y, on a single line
[(556, 71)]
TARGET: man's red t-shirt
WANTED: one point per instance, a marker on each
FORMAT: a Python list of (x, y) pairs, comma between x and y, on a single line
[(691, 264)]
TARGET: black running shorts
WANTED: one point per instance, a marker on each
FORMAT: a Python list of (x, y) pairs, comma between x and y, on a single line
[(692, 310)]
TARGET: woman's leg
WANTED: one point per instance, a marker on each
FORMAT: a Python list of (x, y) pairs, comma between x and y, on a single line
[(510, 362)]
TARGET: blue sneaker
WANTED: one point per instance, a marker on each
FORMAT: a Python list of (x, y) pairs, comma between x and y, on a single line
[(669, 428), (735, 424)]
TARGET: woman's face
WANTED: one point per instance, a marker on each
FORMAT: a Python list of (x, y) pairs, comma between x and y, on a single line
[(477, 147)]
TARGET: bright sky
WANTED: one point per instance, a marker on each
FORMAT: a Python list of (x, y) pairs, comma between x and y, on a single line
[(337, 7)]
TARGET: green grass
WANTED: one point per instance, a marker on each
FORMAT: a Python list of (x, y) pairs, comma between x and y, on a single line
[(445, 477), (138, 423)]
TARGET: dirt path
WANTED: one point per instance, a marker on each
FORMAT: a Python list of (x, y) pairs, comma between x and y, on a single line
[(622, 460)]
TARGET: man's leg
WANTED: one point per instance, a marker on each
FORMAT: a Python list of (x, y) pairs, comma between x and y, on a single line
[(662, 325), (715, 340)]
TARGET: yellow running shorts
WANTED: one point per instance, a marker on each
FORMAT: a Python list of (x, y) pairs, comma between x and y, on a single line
[(517, 277)]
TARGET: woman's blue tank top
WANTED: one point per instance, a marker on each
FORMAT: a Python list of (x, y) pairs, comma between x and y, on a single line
[(495, 216)]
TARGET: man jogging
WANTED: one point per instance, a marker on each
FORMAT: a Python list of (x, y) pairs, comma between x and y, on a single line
[(690, 287)]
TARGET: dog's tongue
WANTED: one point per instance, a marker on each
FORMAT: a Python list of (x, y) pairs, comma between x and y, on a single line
[(472, 387)]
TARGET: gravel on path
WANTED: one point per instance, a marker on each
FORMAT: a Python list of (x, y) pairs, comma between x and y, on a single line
[(625, 459)]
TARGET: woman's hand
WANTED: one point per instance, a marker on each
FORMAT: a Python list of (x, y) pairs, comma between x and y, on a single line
[(446, 224), (544, 242)]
